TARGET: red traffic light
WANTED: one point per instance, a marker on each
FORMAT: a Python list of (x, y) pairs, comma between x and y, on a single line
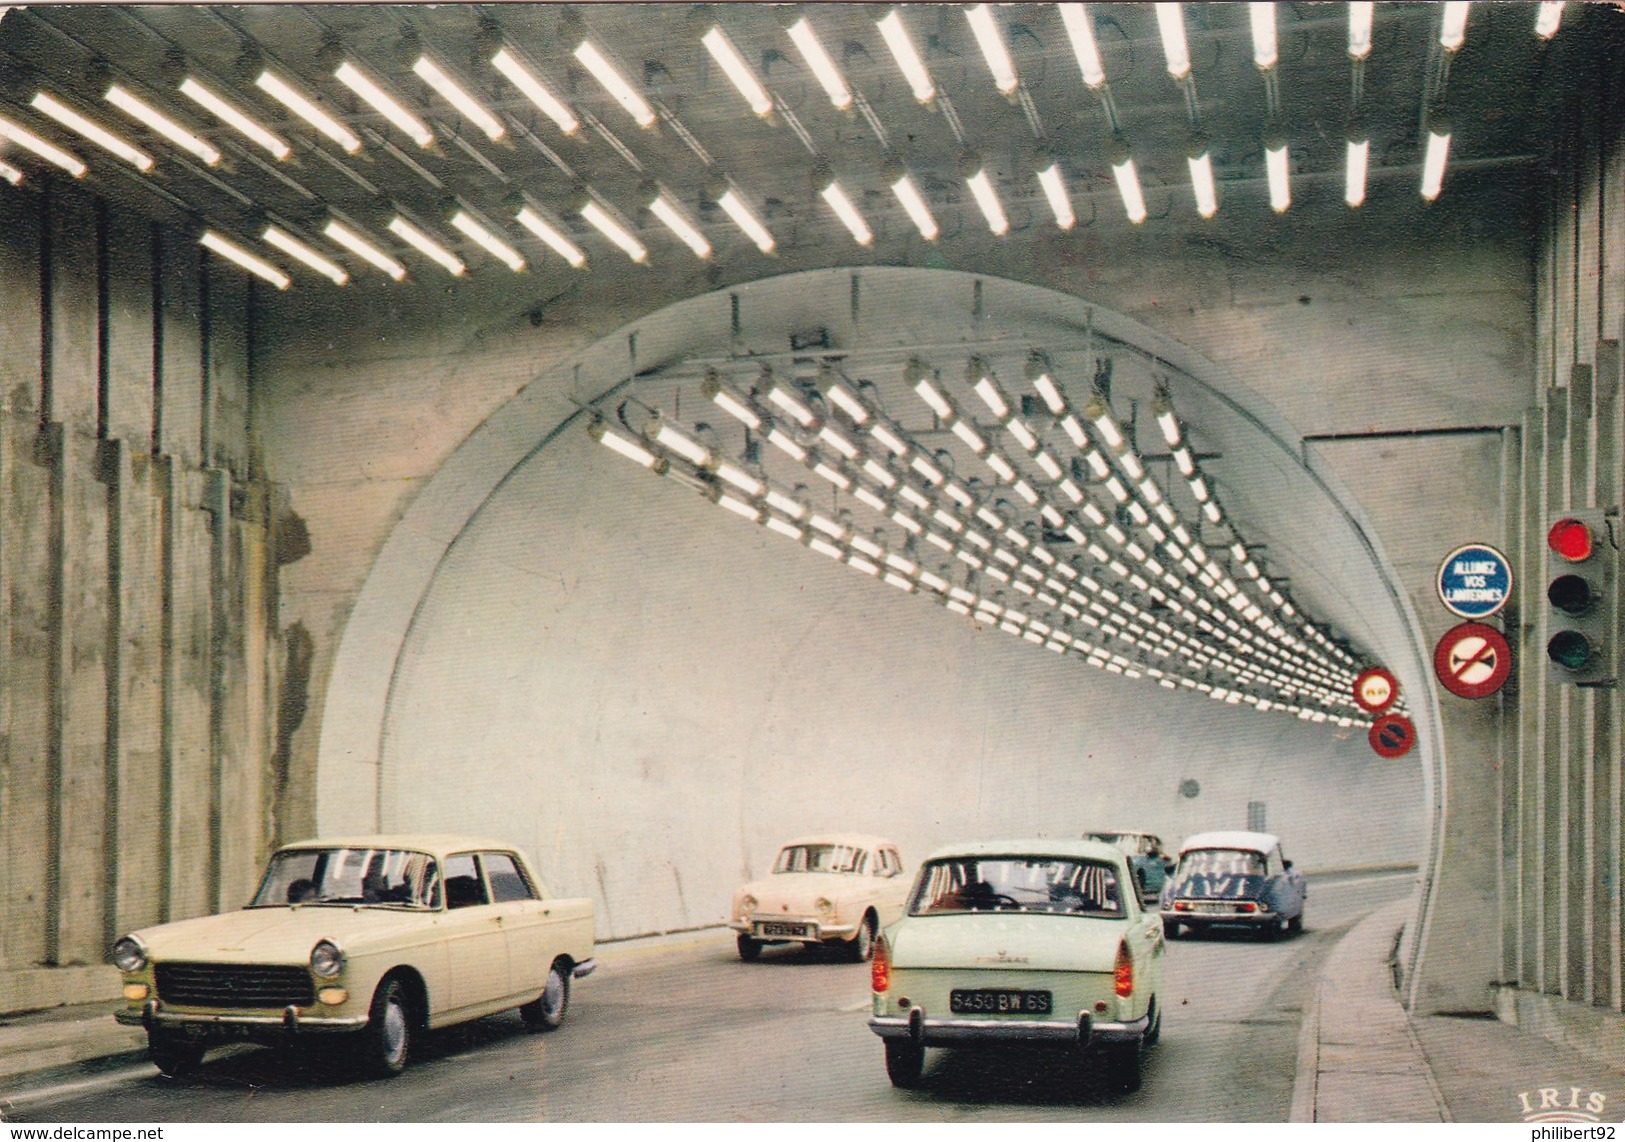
[(1571, 539)]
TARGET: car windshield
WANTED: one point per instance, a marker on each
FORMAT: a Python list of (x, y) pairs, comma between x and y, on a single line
[(1221, 862), (1016, 884), (394, 878), (821, 858)]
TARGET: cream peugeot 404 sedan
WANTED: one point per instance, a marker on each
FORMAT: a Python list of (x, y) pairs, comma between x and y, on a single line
[(372, 938), (834, 889), (1037, 942)]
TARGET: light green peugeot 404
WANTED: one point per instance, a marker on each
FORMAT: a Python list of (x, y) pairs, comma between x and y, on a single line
[(1032, 942)]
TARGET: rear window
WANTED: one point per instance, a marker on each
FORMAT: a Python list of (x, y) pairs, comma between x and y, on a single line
[(1221, 862), (1017, 884)]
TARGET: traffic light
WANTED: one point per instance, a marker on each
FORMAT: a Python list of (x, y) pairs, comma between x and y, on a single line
[(1582, 570)]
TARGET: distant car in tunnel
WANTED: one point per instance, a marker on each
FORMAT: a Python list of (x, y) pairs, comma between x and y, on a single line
[(1237, 879), (834, 889), (363, 941), (1147, 859), (1036, 942)]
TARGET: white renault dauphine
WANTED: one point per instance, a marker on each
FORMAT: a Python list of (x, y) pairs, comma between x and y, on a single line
[(366, 940), (835, 889), (1032, 941)]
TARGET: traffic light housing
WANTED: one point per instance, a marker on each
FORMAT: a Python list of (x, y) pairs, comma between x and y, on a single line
[(1582, 572)]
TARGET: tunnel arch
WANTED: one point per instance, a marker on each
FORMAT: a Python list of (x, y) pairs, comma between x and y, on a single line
[(1324, 545)]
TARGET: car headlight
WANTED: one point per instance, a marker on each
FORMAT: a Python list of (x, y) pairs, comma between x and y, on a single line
[(824, 905), (747, 904), (129, 955), (326, 959)]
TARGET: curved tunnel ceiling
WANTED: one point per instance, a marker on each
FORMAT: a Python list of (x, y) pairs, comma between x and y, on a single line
[(882, 334)]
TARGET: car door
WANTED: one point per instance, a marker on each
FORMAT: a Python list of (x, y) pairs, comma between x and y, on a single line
[(893, 886), (527, 924), (476, 945)]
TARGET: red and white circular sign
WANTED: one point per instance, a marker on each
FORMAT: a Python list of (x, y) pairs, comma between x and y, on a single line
[(1375, 690), (1392, 735), (1472, 660)]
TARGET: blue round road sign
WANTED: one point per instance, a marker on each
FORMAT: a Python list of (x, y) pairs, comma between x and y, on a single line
[(1475, 581)]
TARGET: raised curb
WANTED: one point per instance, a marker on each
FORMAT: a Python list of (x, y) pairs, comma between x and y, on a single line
[(1357, 1036)]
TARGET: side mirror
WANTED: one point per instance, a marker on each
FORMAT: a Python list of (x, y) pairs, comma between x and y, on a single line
[(1286, 864)]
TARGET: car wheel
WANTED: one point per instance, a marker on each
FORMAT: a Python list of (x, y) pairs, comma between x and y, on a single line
[(546, 1011), (173, 1055), (1170, 929), (905, 1062), (862, 944), (1122, 1067), (389, 1029), (749, 947), (1295, 924), (1153, 1030)]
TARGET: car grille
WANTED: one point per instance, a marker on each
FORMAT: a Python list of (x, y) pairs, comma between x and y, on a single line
[(234, 985)]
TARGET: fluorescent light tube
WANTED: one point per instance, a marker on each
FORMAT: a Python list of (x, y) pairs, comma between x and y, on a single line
[(358, 245), (1275, 160), (96, 133), (669, 213), (604, 72), (625, 446), (689, 449), (1202, 186), (10, 173), (536, 91), (733, 65), (614, 231), (1080, 30), (981, 188), (741, 214), (1128, 188), (550, 234), (823, 68), (1359, 157), (848, 214), (288, 244), (1360, 28), (163, 124), (1060, 203), (452, 92), (1548, 19), (426, 245), (1433, 163), (991, 41), (1265, 54), (918, 212), (234, 118), (1453, 25), (1171, 25), (465, 223), (278, 88), (381, 101), (243, 258), (51, 154), (908, 60)]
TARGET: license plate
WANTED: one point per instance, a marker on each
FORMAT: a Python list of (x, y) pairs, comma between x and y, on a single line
[(991, 1001), (1211, 908), (797, 930)]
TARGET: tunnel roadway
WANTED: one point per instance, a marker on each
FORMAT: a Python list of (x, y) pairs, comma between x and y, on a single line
[(680, 1030)]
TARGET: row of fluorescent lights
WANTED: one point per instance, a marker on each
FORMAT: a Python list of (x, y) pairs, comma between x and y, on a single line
[(991, 558), (1132, 497)]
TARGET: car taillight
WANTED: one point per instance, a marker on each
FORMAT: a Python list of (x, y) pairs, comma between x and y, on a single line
[(1123, 971), (880, 968), (1249, 906)]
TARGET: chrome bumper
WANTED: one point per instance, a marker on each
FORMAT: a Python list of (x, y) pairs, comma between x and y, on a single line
[(1085, 1031), (289, 1020), (1220, 917)]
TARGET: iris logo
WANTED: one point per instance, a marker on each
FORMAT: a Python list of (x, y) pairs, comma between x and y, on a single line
[(1554, 1104)]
